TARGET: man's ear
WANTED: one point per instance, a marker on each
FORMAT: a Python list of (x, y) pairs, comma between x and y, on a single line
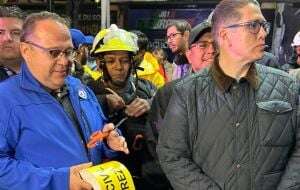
[(223, 36), (25, 50)]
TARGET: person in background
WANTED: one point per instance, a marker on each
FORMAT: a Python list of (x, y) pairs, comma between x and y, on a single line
[(83, 62), (144, 59), (91, 69), (177, 36), (11, 21), (233, 125), (296, 47), (270, 60), (123, 96), (165, 66), (48, 116), (202, 51), (294, 61), (200, 55)]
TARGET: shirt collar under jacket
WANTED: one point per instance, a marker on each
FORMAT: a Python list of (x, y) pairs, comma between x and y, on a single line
[(224, 82)]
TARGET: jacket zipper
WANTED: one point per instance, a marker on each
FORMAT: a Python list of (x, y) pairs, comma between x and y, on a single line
[(87, 130), (77, 132)]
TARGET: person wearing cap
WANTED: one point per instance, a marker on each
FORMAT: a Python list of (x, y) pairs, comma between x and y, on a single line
[(200, 55), (233, 125), (11, 21), (123, 95), (48, 116), (84, 66), (202, 51)]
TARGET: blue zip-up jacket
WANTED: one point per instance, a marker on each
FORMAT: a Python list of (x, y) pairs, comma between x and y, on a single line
[(38, 142)]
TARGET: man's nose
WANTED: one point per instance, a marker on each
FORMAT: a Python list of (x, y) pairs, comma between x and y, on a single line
[(169, 40), (63, 59), (262, 33), (8, 36), (210, 49), (118, 65)]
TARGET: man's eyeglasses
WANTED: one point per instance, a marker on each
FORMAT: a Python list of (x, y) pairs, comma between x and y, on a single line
[(14, 34), (202, 45), (54, 52), (253, 26), (173, 35)]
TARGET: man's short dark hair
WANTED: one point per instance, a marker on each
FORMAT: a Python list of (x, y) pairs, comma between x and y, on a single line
[(181, 25), (32, 19), (142, 41), (227, 10), (12, 11)]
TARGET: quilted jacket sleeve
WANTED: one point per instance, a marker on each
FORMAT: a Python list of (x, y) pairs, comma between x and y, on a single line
[(174, 151), (290, 179)]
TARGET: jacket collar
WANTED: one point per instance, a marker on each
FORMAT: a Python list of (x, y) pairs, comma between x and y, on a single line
[(28, 82), (224, 81)]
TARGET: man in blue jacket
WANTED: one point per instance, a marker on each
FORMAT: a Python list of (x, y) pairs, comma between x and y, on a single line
[(47, 116)]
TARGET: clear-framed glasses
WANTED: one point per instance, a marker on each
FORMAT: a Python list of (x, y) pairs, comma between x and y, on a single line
[(14, 34), (172, 36), (253, 26), (55, 52), (202, 45)]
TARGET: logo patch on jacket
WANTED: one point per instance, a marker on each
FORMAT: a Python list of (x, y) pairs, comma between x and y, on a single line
[(82, 94)]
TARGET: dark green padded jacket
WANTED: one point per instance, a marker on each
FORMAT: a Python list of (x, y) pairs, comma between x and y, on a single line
[(240, 138)]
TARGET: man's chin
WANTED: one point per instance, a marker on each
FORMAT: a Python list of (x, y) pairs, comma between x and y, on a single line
[(9, 57), (174, 50), (258, 56)]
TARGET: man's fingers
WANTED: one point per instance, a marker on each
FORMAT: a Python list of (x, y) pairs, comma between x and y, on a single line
[(134, 102), (123, 145), (115, 101), (82, 166), (137, 107), (114, 133), (137, 111), (116, 96), (125, 148), (111, 91), (137, 102), (108, 127), (140, 110), (118, 144), (85, 185), (121, 102)]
